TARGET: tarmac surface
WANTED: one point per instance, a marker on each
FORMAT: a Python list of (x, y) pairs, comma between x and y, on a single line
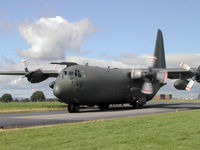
[(20, 120)]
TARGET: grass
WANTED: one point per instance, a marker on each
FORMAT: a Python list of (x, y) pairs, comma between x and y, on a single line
[(178, 100), (174, 131), (31, 106), (51, 106)]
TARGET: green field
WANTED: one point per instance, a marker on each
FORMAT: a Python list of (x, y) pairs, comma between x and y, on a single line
[(31, 106), (178, 100), (50, 106), (168, 131)]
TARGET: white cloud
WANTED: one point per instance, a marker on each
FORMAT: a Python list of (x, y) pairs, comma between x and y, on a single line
[(98, 62), (173, 60), (51, 38)]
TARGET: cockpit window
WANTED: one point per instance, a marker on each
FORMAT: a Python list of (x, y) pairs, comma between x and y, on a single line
[(66, 72), (71, 73), (77, 73), (61, 75), (82, 73)]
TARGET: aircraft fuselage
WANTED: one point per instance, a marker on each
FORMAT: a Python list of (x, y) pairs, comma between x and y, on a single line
[(87, 85)]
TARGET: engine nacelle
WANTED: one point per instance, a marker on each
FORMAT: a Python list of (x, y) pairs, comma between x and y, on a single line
[(198, 74), (198, 78), (136, 74), (181, 84), (36, 76)]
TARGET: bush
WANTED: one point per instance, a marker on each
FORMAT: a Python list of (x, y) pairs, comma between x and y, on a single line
[(37, 96), (26, 100), (6, 98)]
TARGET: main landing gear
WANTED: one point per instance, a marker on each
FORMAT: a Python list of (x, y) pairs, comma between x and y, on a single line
[(138, 103), (104, 107), (73, 108)]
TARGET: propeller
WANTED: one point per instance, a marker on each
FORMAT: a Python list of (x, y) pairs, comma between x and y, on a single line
[(26, 75), (25, 65), (26, 70), (150, 76), (195, 77)]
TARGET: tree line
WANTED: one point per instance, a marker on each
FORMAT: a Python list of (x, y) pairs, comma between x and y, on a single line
[(35, 97)]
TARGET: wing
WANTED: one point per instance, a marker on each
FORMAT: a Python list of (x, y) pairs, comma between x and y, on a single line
[(49, 73), (176, 73), (179, 73)]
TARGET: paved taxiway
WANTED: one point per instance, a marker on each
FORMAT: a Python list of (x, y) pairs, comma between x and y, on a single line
[(14, 120)]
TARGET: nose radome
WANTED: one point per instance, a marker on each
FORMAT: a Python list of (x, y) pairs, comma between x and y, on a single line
[(63, 89), (57, 90)]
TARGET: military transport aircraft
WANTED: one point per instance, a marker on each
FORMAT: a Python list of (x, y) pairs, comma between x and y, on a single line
[(88, 85)]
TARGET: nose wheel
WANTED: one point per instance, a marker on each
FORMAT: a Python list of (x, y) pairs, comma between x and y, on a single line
[(73, 108)]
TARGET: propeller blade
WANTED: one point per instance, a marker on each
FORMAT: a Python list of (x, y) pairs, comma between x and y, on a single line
[(147, 88), (150, 61), (32, 89), (185, 66), (17, 80), (190, 85), (25, 65), (55, 66), (136, 74), (162, 76)]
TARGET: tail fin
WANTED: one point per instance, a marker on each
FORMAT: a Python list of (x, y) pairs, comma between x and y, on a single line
[(159, 51)]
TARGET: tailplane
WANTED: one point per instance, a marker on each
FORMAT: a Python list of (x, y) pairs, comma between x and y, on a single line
[(159, 51)]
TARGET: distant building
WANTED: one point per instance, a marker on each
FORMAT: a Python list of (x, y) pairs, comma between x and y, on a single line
[(162, 96), (199, 96)]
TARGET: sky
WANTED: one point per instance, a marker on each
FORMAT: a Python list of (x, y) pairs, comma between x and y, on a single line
[(115, 33)]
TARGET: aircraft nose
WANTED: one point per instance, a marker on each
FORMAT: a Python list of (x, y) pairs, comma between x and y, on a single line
[(57, 91), (62, 90)]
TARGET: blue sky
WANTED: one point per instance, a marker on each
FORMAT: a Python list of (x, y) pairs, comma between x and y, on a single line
[(122, 28)]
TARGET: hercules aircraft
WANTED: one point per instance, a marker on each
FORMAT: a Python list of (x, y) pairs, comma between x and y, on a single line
[(88, 85)]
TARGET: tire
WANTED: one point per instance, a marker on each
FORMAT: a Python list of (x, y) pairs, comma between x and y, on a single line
[(73, 108), (104, 107), (135, 105), (76, 108)]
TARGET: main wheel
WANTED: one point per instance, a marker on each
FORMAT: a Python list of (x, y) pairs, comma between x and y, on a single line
[(136, 105), (73, 108), (104, 107)]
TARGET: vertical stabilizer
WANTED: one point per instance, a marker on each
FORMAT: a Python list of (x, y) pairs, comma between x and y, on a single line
[(159, 51)]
